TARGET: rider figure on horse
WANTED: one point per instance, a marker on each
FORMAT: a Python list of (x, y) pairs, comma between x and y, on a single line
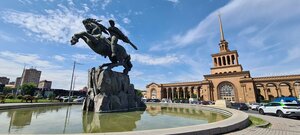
[(115, 34)]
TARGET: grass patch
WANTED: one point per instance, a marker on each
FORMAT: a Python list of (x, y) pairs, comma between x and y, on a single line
[(256, 121)]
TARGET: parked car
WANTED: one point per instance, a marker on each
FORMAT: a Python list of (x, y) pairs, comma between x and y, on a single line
[(239, 106), (281, 109), (153, 100), (204, 102), (260, 104), (165, 100), (180, 101), (207, 102), (64, 99), (79, 99), (254, 106), (194, 102)]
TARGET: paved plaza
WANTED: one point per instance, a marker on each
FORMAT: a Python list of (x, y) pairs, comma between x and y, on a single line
[(280, 126)]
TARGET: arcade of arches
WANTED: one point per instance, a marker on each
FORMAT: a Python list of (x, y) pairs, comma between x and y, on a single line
[(228, 81)]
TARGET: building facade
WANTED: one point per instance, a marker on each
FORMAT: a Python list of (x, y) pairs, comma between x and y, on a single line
[(18, 82), (4, 80), (44, 84), (227, 80), (31, 76)]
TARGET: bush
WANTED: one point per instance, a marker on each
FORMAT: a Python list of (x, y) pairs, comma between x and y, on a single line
[(2, 98), (9, 96), (51, 96), (19, 97)]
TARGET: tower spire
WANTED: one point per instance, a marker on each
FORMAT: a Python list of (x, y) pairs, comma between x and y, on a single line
[(221, 28), (223, 43)]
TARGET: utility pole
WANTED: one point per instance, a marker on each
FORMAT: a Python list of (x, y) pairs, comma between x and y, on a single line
[(71, 81), (74, 82)]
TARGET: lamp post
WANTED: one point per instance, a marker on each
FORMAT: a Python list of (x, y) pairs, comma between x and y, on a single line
[(72, 79), (74, 82)]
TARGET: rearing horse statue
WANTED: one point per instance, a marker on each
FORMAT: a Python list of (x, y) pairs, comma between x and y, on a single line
[(101, 45)]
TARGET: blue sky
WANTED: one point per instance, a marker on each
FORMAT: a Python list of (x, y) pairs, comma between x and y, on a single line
[(175, 37)]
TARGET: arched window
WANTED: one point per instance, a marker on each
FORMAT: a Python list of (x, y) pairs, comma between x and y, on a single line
[(224, 61), (215, 61), (219, 60), (226, 91), (228, 59), (232, 59)]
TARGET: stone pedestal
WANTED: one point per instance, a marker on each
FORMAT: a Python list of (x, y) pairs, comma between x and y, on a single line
[(110, 91), (222, 103)]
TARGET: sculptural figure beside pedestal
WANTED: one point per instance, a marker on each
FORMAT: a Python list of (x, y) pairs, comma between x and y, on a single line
[(110, 91)]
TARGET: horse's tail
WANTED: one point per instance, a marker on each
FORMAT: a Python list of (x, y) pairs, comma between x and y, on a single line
[(127, 64)]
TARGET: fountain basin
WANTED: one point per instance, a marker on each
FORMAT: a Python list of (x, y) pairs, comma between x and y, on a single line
[(157, 119)]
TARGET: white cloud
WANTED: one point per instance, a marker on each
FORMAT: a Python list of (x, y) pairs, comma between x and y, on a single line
[(150, 60), (28, 59), (126, 20), (84, 57), (55, 25), (6, 37), (12, 66), (25, 1), (138, 12), (174, 1), (59, 58), (103, 3), (293, 54), (86, 8), (71, 3), (235, 16)]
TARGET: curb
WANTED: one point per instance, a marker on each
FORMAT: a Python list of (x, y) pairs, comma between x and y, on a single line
[(31, 105), (265, 125)]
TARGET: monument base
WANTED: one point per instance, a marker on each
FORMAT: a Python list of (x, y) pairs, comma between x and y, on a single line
[(110, 91)]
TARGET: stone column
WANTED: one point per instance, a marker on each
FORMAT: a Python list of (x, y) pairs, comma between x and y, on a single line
[(172, 93), (229, 60), (297, 89), (190, 90), (236, 59), (197, 92), (278, 90), (178, 93), (291, 91), (266, 93), (184, 93), (167, 93), (244, 92)]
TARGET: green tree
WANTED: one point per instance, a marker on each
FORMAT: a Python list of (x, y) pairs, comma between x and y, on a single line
[(139, 93), (7, 90), (28, 88)]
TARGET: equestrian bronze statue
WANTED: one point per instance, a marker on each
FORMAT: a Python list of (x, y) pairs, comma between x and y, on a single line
[(101, 45)]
